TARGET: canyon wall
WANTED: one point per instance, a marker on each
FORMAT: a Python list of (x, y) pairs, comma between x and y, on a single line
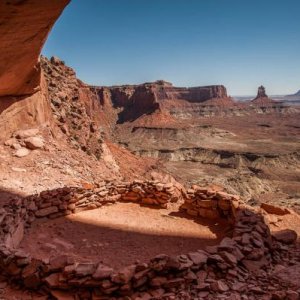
[(137, 100)]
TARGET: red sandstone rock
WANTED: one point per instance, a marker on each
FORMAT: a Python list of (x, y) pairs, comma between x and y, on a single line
[(198, 258), (276, 210), (262, 98), (219, 286), (137, 100), (286, 236), (102, 272), (34, 142), (24, 29), (21, 152)]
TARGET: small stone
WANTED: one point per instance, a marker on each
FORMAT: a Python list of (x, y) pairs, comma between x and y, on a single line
[(256, 290), (16, 146), (279, 295), (61, 295), (229, 258), (158, 281), (34, 142), (22, 134), (46, 211), (286, 236), (21, 152), (219, 286), (238, 286), (102, 272), (275, 210), (18, 169), (125, 275), (198, 258), (203, 294), (10, 142), (52, 280), (292, 295), (59, 262), (84, 269)]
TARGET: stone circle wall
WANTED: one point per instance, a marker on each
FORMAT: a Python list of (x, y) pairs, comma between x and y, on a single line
[(248, 249), (211, 204)]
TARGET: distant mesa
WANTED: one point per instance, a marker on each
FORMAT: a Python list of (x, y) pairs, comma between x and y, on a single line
[(295, 95), (160, 96)]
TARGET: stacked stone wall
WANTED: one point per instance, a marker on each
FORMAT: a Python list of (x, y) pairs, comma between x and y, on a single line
[(215, 270)]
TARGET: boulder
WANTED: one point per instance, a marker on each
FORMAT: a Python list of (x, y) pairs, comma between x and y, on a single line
[(34, 142), (23, 134), (198, 258), (219, 286), (286, 236), (21, 152), (276, 210)]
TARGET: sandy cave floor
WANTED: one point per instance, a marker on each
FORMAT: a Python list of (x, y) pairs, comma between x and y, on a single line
[(121, 234)]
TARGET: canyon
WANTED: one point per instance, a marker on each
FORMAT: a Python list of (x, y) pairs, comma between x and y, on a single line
[(145, 191)]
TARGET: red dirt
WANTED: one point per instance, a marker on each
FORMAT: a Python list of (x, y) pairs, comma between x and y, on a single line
[(121, 234)]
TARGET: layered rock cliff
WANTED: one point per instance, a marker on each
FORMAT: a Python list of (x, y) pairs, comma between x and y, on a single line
[(137, 100)]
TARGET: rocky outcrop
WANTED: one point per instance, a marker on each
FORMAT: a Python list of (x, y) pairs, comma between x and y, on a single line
[(262, 98), (24, 28), (76, 110)]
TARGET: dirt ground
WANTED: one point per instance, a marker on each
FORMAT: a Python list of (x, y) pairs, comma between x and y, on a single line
[(122, 234)]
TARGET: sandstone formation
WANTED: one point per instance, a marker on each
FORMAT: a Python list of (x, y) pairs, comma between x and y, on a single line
[(160, 100), (251, 263), (261, 92), (137, 100), (24, 28), (262, 98), (25, 112)]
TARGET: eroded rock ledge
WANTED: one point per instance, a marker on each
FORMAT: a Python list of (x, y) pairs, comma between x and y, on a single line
[(225, 270), (24, 28)]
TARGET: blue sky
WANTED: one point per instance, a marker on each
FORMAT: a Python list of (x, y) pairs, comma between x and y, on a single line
[(239, 43)]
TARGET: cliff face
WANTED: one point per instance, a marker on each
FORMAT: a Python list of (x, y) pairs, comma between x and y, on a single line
[(23, 91), (137, 100), (24, 112), (24, 28)]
